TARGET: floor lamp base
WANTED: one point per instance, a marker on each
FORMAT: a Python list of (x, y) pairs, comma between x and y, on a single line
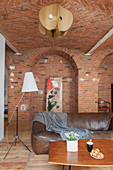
[(16, 137), (14, 142)]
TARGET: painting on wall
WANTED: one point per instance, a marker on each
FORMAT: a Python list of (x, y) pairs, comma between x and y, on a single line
[(54, 95)]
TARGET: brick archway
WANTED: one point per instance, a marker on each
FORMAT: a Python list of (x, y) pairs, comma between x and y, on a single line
[(105, 78), (54, 52), (54, 63)]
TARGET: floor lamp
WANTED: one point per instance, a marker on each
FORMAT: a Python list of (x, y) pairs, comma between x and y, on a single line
[(29, 85)]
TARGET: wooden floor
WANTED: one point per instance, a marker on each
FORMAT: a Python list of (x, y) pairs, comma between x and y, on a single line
[(20, 158)]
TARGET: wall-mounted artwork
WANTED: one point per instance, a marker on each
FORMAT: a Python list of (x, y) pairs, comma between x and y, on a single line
[(54, 95)]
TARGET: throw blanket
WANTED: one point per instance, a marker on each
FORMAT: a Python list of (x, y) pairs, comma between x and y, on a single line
[(57, 122)]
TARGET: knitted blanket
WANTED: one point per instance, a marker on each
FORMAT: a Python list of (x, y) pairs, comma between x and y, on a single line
[(57, 122)]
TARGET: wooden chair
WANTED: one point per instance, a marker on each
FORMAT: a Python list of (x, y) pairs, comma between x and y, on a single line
[(103, 106)]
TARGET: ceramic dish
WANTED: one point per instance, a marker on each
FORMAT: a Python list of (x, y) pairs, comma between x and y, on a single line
[(95, 157)]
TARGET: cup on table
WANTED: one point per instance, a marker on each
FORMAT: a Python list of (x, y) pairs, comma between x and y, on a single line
[(89, 146)]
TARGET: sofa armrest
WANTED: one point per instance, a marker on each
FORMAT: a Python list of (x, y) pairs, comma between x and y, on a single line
[(37, 127), (40, 141)]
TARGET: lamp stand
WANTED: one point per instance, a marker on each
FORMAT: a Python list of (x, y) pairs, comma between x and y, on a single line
[(16, 137), (29, 85)]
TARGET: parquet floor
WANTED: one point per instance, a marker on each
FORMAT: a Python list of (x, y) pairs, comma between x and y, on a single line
[(19, 158)]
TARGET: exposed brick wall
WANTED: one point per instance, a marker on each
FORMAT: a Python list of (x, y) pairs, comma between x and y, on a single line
[(15, 86), (106, 78), (19, 20), (56, 66), (30, 61)]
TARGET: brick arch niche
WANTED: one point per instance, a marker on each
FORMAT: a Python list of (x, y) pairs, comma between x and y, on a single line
[(105, 78), (55, 64)]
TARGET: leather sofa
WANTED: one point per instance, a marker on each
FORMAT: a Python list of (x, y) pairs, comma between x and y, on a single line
[(100, 123)]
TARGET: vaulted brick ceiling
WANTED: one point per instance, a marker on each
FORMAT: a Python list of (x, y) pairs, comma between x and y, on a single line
[(19, 21)]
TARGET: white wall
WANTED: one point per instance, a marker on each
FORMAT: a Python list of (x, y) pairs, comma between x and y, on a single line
[(6, 87), (2, 69)]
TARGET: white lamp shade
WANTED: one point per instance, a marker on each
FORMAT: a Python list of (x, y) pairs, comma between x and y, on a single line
[(29, 84)]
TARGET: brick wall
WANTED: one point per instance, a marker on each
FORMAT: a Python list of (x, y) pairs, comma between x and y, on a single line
[(106, 78), (56, 66), (79, 90)]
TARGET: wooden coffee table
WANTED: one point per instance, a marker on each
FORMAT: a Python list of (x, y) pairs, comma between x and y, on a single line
[(59, 155)]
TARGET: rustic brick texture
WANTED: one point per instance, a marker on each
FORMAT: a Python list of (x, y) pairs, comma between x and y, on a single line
[(91, 21), (106, 78), (19, 21), (78, 91), (3, 14), (56, 66)]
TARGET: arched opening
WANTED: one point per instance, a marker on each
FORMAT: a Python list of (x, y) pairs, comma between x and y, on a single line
[(106, 80), (56, 64)]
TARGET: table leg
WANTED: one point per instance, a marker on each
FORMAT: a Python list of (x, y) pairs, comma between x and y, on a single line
[(69, 167), (63, 167)]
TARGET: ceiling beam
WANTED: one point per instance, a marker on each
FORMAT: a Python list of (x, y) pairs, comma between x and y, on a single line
[(11, 46), (100, 42)]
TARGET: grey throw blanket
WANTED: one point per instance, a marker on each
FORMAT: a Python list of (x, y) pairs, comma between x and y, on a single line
[(57, 122)]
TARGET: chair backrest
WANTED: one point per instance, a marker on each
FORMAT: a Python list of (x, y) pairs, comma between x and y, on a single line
[(103, 105)]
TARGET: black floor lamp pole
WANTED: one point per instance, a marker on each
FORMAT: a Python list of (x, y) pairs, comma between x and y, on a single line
[(16, 137)]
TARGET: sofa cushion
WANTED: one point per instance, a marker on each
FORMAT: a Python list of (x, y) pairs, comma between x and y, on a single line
[(102, 135), (90, 121)]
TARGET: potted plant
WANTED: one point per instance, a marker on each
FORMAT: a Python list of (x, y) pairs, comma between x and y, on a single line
[(72, 141)]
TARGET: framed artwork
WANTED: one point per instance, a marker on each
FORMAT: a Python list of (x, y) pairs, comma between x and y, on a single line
[(54, 95)]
